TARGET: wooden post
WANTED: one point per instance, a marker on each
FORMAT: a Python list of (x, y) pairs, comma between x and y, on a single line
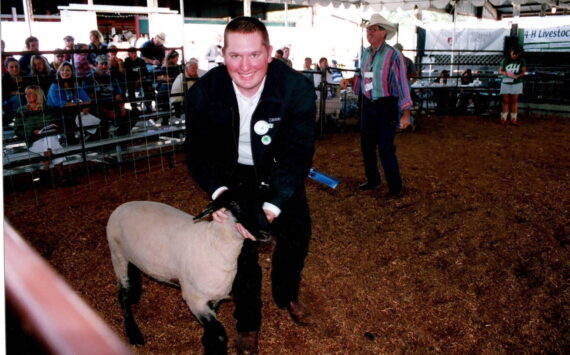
[(60, 320)]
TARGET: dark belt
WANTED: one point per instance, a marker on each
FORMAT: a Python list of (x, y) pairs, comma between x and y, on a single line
[(245, 174), (382, 100)]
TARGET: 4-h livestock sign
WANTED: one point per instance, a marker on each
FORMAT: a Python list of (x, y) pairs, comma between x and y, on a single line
[(545, 39)]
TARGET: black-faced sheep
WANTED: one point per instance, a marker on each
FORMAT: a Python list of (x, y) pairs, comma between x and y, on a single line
[(174, 247)]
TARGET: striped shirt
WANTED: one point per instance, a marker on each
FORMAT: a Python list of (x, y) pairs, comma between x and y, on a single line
[(389, 74)]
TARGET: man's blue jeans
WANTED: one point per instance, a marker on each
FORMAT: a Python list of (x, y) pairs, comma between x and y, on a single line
[(377, 132)]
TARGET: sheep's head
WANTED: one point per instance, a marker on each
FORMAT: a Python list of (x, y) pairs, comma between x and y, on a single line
[(245, 211)]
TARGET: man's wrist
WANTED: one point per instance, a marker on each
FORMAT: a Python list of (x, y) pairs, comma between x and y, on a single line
[(271, 207), (219, 191)]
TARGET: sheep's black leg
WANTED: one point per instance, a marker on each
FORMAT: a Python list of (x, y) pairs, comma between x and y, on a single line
[(215, 339), (127, 297), (135, 288)]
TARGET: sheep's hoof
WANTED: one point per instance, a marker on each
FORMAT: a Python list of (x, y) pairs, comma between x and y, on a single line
[(135, 336)]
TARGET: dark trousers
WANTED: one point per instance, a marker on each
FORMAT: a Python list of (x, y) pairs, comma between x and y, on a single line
[(377, 132), (292, 232)]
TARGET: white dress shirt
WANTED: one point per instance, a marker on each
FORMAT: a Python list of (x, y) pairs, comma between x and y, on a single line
[(247, 106)]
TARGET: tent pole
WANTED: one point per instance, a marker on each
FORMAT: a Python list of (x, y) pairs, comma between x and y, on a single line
[(247, 7), (361, 34), (286, 13), (453, 40), (183, 31), (28, 15)]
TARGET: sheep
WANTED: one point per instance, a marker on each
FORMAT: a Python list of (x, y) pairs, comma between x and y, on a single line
[(173, 247)]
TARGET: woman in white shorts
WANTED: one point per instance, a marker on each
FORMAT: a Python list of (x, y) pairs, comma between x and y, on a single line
[(512, 69), (35, 124)]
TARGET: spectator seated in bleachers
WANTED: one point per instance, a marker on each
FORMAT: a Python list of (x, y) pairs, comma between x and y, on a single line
[(69, 98), (136, 74), (81, 61), (96, 47), (182, 83), (41, 73), (153, 51), (107, 100), (58, 59), (163, 80), (37, 126), (25, 61), (117, 67), (13, 86), (69, 45)]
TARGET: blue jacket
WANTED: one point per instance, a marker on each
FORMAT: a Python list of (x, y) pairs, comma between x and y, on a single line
[(59, 97)]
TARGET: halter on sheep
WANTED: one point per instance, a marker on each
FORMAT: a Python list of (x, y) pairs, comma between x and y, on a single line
[(171, 246)]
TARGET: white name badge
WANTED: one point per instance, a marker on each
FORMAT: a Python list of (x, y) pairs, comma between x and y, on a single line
[(261, 127), (368, 74), (368, 86)]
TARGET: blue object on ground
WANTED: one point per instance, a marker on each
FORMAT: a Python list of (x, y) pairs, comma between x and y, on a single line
[(323, 178)]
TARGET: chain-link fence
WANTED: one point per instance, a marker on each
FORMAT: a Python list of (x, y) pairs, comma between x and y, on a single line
[(86, 116)]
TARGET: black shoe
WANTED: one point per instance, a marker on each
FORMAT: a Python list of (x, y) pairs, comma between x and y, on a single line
[(300, 314), (368, 186), (246, 343), (394, 195)]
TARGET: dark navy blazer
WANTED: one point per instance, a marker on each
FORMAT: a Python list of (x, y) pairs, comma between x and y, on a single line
[(282, 156)]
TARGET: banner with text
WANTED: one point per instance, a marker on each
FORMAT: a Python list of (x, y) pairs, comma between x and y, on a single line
[(467, 39), (546, 39)]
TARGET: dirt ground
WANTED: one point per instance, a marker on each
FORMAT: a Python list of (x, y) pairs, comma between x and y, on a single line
[(475, 258)]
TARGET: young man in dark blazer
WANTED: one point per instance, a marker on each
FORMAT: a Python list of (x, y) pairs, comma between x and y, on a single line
[(250, 130)]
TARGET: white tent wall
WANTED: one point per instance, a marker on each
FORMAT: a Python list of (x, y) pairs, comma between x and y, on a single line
[(49, 34), (171, 25)]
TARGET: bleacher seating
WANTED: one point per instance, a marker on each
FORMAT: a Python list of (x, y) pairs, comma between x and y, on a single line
[(146, 137)]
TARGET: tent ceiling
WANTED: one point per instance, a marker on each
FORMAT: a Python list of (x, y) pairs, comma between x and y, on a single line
[(231, 8), (499, 8)]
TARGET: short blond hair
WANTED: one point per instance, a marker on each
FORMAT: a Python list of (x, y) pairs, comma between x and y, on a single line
[(38, 91)]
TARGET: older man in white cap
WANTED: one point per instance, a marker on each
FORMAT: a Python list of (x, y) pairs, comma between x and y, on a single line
[(153, 51), (384, 88)]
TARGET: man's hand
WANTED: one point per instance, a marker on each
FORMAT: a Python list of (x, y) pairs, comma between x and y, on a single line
[(269, 215), (405, 119), (221, 216)]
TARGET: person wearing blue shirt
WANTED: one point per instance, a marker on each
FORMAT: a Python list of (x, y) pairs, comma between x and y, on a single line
[(107, 98), (67, 96)]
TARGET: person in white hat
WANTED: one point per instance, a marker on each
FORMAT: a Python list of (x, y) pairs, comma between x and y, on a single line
[(384, 87), (153, 51)]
